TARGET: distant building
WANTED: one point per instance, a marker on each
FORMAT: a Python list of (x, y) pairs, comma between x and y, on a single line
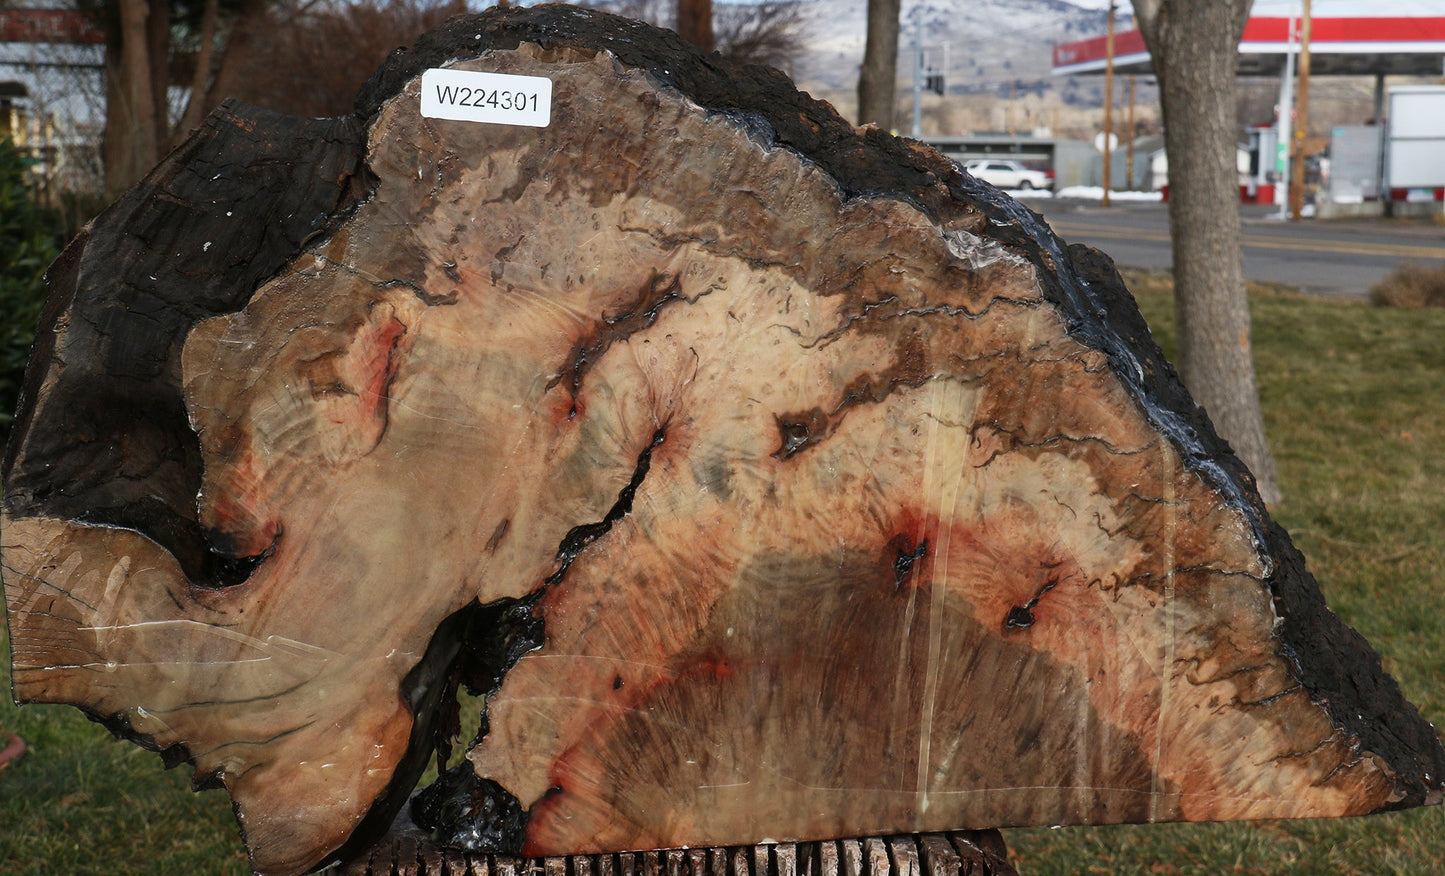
[(52, 93), (1400, 161), (1068, 160)]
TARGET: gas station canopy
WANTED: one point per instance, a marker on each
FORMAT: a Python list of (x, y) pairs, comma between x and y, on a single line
[(1346, 38)]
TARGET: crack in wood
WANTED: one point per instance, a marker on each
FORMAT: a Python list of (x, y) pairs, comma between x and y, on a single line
[(661, 290), (422, 295), (1015, 444), (1022, 616), (1269, 700), (474, 646), (903, 565), (672, 240), (579, 537), (462, 809), (800, 430), (1306, 752), (1193, 676), (467, 812)]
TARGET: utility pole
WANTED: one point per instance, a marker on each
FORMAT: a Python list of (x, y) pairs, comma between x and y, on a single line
[(1284, 141), (1129, 153), (1009, 120), (1108, 102), (1301, 122)]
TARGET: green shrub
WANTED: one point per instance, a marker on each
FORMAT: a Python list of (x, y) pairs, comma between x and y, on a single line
[(29, 241), (1411, 285)]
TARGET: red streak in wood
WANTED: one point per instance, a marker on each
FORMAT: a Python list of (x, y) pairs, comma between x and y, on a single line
[(569, 409), (234, 514), (235, 506), (381, 365)]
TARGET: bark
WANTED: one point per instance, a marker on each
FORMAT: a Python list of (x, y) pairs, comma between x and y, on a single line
[(1194, 45), (788, 486), (877, 79)]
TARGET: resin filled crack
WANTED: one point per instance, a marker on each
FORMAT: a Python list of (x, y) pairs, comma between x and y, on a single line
[(461, 809)]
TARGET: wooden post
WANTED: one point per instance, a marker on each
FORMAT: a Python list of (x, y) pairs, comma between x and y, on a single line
[(1109, 104), (1301, 123), (1132, 135)]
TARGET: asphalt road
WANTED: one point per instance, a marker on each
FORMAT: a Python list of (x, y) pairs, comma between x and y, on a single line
[(1324, 257)]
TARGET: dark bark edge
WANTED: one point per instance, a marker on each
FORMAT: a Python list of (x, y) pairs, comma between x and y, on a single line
[(110, 442)]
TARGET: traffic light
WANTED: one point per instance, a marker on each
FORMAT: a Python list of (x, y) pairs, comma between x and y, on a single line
[(934, 82)]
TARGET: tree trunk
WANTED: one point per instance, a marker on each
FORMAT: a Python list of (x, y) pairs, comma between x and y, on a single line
[(248, 25), (792, 486), (877, 79), (1194, 45), (133, 119), (694, 22), (196, 108), (158, 56)]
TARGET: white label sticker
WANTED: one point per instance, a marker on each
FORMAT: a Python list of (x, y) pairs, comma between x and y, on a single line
[(494, 98)]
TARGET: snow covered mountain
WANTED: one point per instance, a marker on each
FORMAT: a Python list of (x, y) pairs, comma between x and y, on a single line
[(989, 43)]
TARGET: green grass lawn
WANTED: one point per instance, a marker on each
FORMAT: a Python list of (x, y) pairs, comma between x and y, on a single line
[(1353, 400)]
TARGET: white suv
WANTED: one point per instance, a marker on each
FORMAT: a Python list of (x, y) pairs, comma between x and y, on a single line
[(1008, 174)]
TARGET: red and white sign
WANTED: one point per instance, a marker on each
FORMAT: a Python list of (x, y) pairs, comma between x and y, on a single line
[(65, 26), (1348, 29)]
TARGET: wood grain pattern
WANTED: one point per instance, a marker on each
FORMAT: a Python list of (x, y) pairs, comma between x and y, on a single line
[(775, 480)]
